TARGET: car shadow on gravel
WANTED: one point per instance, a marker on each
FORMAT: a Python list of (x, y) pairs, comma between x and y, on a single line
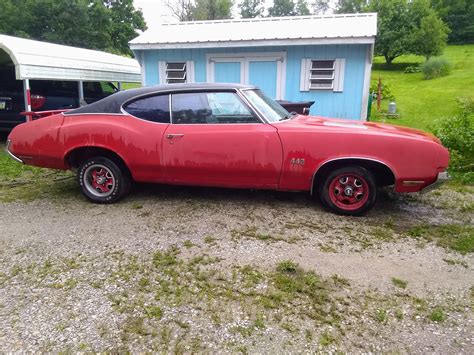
[(387, 202)]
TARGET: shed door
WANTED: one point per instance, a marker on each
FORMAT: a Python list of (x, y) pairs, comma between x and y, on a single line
[(228, 72), (263, 73), (265, 70)]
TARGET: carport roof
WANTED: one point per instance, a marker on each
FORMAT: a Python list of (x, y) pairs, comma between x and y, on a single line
[(42, 60), (270, 31)]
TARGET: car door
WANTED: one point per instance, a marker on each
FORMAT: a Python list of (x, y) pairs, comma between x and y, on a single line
[(215, 139)]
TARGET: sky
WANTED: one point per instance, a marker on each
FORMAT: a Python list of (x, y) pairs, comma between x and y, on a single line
[(154, 11)]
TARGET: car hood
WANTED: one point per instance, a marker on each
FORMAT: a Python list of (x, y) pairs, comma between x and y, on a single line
[(358, 126)]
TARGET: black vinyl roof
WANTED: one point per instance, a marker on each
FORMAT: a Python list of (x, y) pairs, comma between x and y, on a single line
[(114, 102)]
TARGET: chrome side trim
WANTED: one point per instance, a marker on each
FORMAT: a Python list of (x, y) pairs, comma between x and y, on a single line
[(345, 158), (15, 158), (92, 114)]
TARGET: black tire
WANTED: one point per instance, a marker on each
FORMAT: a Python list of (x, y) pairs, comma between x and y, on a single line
[(102, 180), (352, 197)]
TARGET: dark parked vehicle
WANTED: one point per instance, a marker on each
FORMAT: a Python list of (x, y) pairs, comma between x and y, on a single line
[(45, 95), (301, 107)]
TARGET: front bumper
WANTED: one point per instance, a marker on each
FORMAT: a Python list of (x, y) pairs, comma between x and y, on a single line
[(14, 157), (441, 179)]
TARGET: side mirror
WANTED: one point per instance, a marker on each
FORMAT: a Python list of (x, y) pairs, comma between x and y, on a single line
[(306, 111)]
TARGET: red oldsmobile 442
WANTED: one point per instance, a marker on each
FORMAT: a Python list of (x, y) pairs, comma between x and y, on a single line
[(230, 136)]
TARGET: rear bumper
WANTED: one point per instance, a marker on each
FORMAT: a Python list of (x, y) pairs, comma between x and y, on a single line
[(14, 157), (441, 179)]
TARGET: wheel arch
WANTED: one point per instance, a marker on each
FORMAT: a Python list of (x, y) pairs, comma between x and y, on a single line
[(383, 173), (75, 156)]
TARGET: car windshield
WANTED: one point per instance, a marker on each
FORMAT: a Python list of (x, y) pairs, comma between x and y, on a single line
[(271, 109)]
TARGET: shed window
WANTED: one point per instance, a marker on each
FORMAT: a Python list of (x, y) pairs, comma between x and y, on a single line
[(326, 74), (176, 72)]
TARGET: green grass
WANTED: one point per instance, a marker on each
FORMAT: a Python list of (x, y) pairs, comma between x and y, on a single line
[(452, 236), (27, 183), (126, 86), (437, 315), (420, 101), (399, 282)]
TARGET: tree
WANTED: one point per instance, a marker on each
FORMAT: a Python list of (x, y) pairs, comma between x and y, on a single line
[(251, 8), (321, 6), (105, 25), (212, 9), (395, 28), (183, 10), (301, 8), (459, 16), (430, 38), (351, 6), (125, 20), (282, 8)]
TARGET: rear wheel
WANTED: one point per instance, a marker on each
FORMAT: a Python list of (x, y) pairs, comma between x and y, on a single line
[(102, 180), (348, 191)]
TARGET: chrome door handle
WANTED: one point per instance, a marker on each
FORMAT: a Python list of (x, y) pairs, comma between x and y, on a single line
[(177, 135)]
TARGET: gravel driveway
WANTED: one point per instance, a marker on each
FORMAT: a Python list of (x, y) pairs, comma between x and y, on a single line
[(180, 269)]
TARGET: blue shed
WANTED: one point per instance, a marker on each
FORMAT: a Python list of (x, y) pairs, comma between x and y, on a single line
[(326, 59)]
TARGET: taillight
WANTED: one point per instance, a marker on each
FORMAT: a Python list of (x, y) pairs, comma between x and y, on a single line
[(37, 101)]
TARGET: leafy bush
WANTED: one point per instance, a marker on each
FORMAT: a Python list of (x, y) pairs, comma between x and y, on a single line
[(435, 67), (412, 69), (385, 92), (457, 134)]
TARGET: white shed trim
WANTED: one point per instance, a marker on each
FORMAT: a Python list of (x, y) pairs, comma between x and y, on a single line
[(366, 86), (48, 61), (256, 43)]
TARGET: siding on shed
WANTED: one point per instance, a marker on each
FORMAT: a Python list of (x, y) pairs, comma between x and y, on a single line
[(346, 104)]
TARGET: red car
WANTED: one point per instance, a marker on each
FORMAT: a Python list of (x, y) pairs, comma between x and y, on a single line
[(229, 136)]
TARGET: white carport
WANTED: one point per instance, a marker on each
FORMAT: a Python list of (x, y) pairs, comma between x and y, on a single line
[(47, 61)]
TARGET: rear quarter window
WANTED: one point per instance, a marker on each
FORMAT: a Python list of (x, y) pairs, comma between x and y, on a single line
[(152, 108)]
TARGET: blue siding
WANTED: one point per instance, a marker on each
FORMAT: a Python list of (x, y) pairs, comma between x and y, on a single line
[(346, 104)]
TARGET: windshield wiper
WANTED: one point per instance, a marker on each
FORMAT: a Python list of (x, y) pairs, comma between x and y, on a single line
[(288, 116)]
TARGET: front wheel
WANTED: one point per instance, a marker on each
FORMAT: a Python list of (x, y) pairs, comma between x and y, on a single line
[(348, 191), (102, 180)]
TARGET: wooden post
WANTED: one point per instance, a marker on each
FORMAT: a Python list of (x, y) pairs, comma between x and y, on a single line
[(379, 93)]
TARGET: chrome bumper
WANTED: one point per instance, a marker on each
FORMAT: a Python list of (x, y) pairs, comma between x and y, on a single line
[(14, 157), (442, 178)]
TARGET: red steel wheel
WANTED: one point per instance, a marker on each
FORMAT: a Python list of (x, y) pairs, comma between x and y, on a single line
[(102, 180), (349, 190)]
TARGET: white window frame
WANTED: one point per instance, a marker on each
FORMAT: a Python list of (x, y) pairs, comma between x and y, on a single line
[(338, 74), (189, 70), (244, 59)]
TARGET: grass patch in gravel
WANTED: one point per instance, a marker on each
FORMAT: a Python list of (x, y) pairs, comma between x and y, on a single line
[(163, 301), (457, 237), (437, 315), (252, 232), (399, 282)]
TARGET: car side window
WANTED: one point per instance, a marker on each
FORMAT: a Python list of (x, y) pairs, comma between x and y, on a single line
[(210, 108), (153, 108)]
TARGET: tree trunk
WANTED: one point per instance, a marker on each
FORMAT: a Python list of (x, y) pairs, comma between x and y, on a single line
[(388, 59)]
